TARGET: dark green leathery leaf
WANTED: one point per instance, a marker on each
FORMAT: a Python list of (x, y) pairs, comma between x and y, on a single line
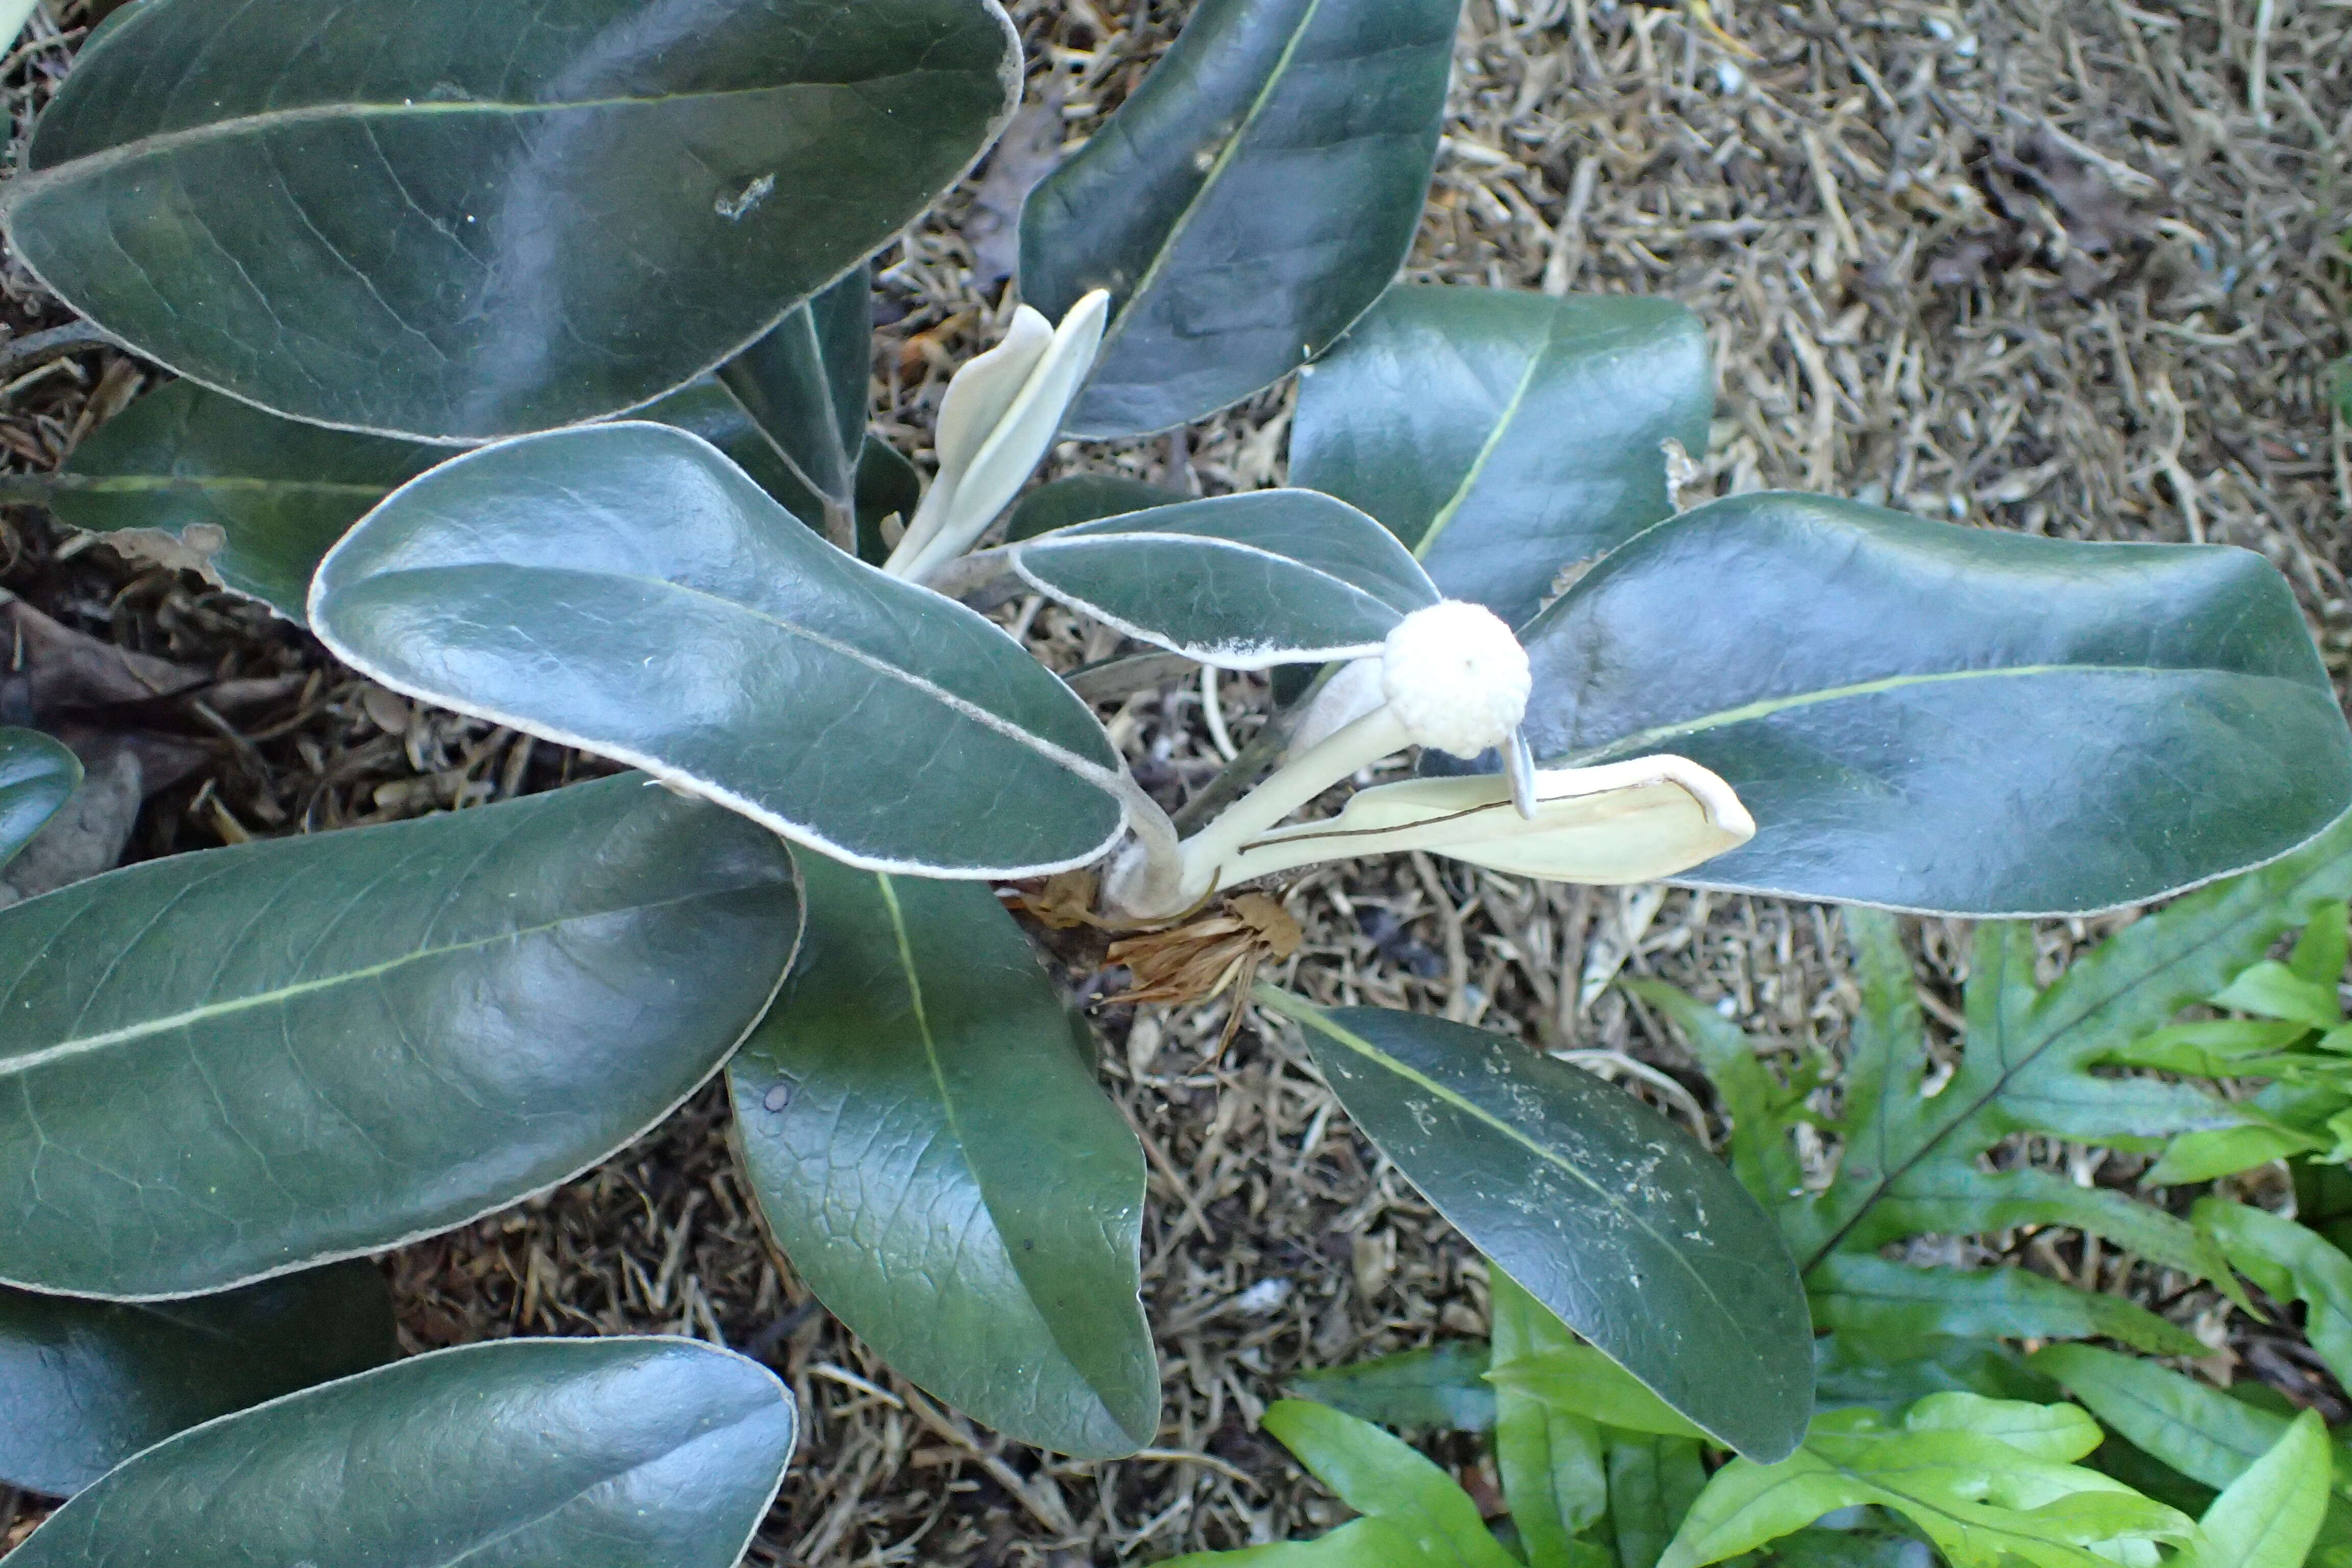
[(984, 1236), (591, 1453), (304, 1048), (499, 215), (36, 775), (89, 1383), (191, 477), (1241, 582), (1083, 498), (1505, 436), (625, 588), (1953, 718), (805, 383), (888, 486), (1246, 204), (707, 407), (1612, 1217)]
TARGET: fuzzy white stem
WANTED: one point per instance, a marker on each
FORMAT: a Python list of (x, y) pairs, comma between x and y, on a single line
[(1146, 876), (1212, 709), (1357, 745)]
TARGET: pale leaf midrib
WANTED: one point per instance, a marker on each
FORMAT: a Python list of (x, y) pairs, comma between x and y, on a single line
[(1098, 775), (148, 484), (1487, 449), (1891, 1175), (949, 1113), (1766, 707), (805, 310), (160, 143), (500, 1536), (1208, 185), (1321, 574), (190, 1017), (1302, 1012), (828, 417)]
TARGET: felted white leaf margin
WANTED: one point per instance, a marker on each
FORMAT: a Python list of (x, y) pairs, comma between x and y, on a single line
[(1240, 581), (625, 589)]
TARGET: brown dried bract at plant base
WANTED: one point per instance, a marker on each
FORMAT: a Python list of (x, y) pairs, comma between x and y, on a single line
[(1205, 957)]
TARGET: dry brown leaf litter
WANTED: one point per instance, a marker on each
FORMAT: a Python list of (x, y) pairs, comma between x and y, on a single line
[(2065, 267)]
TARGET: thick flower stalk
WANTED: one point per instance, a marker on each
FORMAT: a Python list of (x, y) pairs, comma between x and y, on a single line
[(1000, 414), (1451, 677)]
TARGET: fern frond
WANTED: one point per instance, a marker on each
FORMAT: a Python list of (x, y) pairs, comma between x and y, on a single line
[(1915, 1162)]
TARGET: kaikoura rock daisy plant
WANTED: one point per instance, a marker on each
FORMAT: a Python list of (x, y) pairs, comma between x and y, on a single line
[(527, 361)]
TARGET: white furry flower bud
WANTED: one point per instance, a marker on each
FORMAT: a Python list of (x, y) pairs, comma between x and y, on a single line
[(1455, 678)]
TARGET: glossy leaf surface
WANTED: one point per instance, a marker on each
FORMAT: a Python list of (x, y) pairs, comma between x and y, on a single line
[(1612, 1217), (1083, 498), (707, 407), (194, 478), (1246, 204), (806, 385), (1505, 435), (605, 1452), (888, 486), (1241, 582), (626, 589), (89, 1383), (36, 775), (943, 1169), (494, 217), (233, 1063), (253, 499), (1952, 719)]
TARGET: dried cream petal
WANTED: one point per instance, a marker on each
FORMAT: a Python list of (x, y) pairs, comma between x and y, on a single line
[(1634, 821)]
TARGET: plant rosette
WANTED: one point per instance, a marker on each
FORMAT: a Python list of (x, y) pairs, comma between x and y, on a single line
[(526, 358)]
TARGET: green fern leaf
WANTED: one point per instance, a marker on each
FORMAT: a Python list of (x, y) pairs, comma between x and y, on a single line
[(1555, 1480), (2293, 1263), (1914, 1161), (1414, 1514), (1984, 1480)]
